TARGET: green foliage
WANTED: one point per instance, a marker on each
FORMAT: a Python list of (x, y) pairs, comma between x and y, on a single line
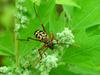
[(85, 24), (83, 17), (67, 2)]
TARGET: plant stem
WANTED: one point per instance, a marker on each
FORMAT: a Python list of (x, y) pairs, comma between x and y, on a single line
[(16, 49)]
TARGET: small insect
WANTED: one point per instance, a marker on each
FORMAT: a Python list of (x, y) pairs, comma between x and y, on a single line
[(43, 37)]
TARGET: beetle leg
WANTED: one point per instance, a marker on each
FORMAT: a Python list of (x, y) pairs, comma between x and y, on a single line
[(29, 38), (44, 51), (40, 51), (52, 37)]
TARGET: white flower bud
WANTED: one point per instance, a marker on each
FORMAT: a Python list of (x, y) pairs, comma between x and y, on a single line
[(17, 27), (47, 64), (66, 37), (4, 69), (24, 19)]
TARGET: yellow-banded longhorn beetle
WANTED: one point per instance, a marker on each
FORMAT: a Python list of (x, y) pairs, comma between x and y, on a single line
[(42, 36)]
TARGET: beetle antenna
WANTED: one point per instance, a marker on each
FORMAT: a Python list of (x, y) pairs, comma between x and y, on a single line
[(39, 18), (38, 15)]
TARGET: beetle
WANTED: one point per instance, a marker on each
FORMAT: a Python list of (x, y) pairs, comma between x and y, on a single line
[(42, 36)]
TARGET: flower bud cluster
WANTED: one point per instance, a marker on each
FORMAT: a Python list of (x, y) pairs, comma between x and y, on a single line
[(66, 37), (21, 18)]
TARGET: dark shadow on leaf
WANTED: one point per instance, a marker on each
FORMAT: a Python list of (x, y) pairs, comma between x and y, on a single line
[(93, 30)]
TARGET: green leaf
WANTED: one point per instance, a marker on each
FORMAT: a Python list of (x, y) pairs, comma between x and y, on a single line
[(67, 2), (84, 69), (62, 70), (6, 44), (87, 16), (57, 23)]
